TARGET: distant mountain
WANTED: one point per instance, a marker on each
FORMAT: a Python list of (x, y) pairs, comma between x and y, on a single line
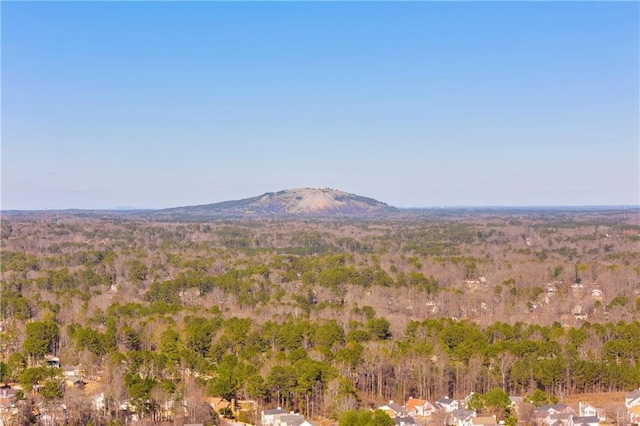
[(291, 202)]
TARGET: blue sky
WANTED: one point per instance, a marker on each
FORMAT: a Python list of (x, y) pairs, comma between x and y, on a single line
[(415, 104)]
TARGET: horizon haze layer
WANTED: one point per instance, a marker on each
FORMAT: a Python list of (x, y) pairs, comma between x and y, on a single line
[(307, 200)]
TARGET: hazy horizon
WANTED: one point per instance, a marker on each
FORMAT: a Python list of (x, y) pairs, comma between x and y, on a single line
[(427, 207), (415, 104)]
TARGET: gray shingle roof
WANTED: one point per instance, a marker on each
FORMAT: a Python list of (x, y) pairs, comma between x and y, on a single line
[(273, 411)]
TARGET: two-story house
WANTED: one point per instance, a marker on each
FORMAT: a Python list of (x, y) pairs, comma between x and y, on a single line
[(447, 404)]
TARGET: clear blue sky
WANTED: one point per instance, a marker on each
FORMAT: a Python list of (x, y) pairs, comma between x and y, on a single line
[(415, 104)]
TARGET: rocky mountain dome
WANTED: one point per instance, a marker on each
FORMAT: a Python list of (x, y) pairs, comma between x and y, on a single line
[(300, 201)]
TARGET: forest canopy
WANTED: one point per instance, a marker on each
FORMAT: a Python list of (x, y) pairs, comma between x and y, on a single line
[(324, 317)]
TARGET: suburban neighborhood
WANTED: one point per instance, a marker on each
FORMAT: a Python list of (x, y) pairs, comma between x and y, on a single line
[(443, 411)]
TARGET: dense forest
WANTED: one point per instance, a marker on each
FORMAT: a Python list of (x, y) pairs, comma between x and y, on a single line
[(318, 316)]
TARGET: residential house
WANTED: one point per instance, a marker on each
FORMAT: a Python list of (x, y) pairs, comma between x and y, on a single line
[(419, 407), (289, 420), (52, 361), (268, 417), (632, 399), (579, 313), (586, 410), (553, 414), (221, 405), (584, 421), (71, 371), (404, 421), (447, 404), (555, 408), (559, 419), (484, 421), (462, 417), (596, 293), (393, 409), (74, 381)]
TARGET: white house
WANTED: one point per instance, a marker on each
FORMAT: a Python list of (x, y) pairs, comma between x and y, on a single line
[(52, 361), (632, 399), (553, 414), (269, 416), (462, 417), (289, 420), (587, 410), (419, 407), (393, 409), (447, 404)]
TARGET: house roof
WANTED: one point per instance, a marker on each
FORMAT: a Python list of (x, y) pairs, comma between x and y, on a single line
[(273, 411), (291, 419), (396, 407), (635, 409), (633, 395), (445, 401), (408, 420), (415, 402), (219, 403), (393, 406), (462, 414), (586, 419), (552, 407)]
